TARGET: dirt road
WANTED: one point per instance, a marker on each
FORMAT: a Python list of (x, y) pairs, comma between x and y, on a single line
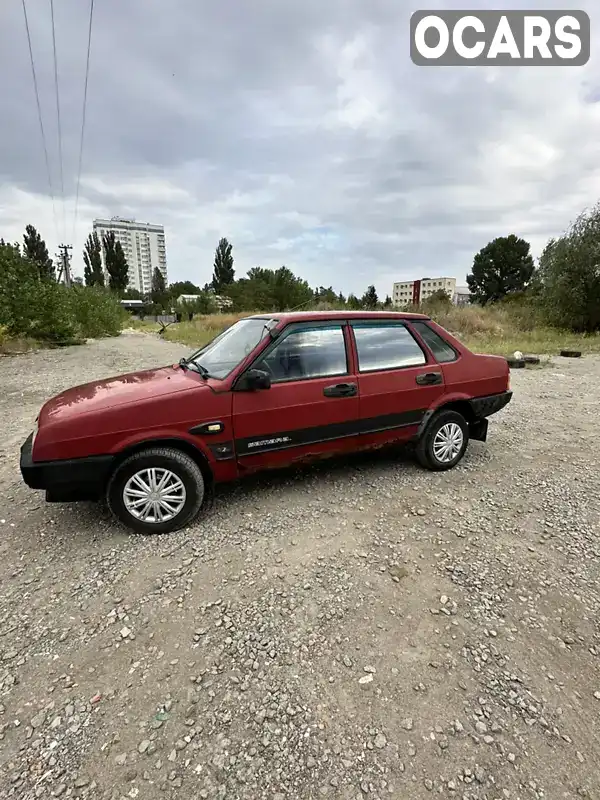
[(362, 629)]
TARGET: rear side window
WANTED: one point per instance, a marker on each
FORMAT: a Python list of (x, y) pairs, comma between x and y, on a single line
[(442, 351), (386, 346)]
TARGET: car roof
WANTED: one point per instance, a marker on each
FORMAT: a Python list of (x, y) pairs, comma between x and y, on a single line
[(304, 316)]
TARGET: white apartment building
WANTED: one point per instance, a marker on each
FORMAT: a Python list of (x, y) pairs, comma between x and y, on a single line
[(144, 247), (416, 291)]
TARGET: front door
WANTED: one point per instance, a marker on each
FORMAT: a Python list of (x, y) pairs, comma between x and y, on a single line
[(311, 408), (397, 381)]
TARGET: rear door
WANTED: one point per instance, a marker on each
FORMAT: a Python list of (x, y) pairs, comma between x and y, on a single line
[(398, 381), (311, 408)]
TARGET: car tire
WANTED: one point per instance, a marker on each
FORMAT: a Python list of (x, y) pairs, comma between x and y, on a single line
[(516, 363), (184, 484), (531, 359), (570, 353), (448, 423)]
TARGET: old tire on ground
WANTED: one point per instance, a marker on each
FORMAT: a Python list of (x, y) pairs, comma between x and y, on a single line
[(444, 441), (516, 363), (570, 353), (531, 359), (158, 490)]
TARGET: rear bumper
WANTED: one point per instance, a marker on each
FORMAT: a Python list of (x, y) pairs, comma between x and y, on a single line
[(66, 480), (486, 406)]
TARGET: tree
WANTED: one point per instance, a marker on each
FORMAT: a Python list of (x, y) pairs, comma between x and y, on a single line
[(116, 263), (388, 301), (34, 249), (92, 258), (353, 302), (326, 295), (270, 290), (569, 275), (132, 294), (439, 298), (370, 299), (31, 307), (500, 268), (183, 287), (223, 274), (158, 293)]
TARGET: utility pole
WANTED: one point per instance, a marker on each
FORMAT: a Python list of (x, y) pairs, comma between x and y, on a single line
[(64, 259)]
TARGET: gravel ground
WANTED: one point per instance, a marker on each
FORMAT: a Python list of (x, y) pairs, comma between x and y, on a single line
[(358, 629)]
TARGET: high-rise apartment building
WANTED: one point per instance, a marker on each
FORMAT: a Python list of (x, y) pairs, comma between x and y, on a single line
[(408, 292), (143, 245)]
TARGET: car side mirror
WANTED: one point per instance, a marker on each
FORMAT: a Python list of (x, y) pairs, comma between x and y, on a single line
[(254, 380)]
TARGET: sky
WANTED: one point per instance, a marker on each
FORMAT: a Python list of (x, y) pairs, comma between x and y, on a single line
[(302, 132)]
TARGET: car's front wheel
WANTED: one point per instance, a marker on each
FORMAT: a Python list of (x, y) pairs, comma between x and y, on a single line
[(444, 441), (158, 490)]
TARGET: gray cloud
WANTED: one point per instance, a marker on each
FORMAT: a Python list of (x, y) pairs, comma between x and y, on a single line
[(301, 131)]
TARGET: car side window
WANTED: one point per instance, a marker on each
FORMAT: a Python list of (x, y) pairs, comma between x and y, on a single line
[(318, 352), (441, 350), (386, 345)]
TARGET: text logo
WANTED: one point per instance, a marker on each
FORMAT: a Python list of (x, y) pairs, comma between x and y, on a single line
[(500, 38)]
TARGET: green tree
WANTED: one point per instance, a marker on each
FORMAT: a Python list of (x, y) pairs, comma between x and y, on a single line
[(387, 302), (158, 293), (116, 263), (29, 306), (569, 275), (439, 298), (269, 290), (34, 248), (353, 302), (500, 268), (369, 299), (326, 295), (183, 287), (132, 294), (92, 259), (223, 274)]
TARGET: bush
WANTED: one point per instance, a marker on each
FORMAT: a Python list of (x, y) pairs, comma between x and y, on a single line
[(570, 276), (95, 312), (50, 312), (50, 317)]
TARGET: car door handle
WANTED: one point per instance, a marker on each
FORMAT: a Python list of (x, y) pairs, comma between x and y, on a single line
[(429, 378), (341, 390)]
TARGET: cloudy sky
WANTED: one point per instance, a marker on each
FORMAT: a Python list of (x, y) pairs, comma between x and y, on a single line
[(300, 130)]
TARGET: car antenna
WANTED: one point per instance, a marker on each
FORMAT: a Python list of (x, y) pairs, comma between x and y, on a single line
[(302, 304)]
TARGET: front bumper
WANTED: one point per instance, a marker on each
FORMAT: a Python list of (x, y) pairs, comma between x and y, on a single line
[(66, 480)]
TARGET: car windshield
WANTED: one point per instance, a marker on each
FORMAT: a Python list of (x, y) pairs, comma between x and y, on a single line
[(220, 356)]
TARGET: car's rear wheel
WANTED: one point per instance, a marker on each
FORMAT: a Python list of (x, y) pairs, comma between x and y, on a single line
[(158, 490), (444, 441)]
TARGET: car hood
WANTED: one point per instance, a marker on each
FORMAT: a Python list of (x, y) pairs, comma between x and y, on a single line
[(133, 387)]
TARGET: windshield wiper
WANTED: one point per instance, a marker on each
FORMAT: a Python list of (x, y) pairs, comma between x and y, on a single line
[(202, 370), (185, 363)]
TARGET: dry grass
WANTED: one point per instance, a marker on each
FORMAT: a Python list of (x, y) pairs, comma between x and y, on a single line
[(498, 330)]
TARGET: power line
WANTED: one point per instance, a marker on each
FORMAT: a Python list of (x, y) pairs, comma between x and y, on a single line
[(39, 111), (85, 90), (60, 157)]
